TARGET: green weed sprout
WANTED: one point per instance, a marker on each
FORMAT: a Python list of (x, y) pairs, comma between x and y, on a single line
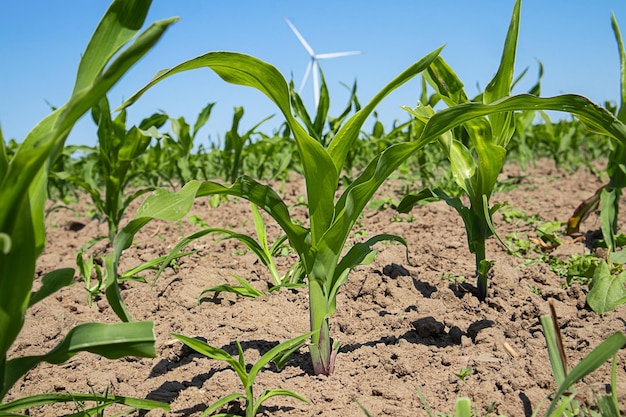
[(278, 354), (23, 188)]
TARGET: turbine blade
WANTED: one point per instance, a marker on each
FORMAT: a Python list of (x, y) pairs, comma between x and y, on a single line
[(316, 87), (299, 36), (337, 54), (306, 75)]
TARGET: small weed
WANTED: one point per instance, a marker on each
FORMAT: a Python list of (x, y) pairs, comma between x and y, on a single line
[(197, 221), (535, 290), (464, 373), (453, 278)]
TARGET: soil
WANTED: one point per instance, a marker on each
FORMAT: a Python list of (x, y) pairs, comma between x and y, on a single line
[(406, 325)]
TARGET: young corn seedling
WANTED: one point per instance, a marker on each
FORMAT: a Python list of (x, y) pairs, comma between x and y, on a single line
[(22, 228), (320, 245), (331, 219), (476, 151), (476, 145), (232, 156), (113, 157), (266, 254), (279, 355), (180, 144)]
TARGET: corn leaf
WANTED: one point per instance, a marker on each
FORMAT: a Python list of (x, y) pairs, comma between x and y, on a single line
[(588, 364), (463, 407), (23, 181), (111, 341), (502, 124), (279, 352), (220, 403), (267, 199), (4, 159), (445, 82), (51, 283), (609, 201), (348, 134), (592, 115), (621, 115), (320, 173), (245, 289), (105, 399)]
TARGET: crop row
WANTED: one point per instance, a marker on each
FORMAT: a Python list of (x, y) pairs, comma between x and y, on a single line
[(454, 154)]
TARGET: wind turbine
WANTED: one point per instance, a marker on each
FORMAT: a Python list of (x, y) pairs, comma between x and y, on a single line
[(313, 64)]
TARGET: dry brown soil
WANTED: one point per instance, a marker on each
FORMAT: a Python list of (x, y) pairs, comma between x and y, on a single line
[(402, 325)]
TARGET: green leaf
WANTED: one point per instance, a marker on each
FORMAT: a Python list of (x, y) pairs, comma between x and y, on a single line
[(607, 291), (463, 407), (621, 115), (51, 283), (445, 82), (203, 117), (213, 353), (4, 159), (245, 289), (592, 115), (165, 205), (588, 364), (320, 173), (345, 138), (55, 398), (411, 200), (359, 254), (112, 341), (267, 199), (278, 351), (277, 392), (118, 26), (222, 402), (554, 355), (609, 203)]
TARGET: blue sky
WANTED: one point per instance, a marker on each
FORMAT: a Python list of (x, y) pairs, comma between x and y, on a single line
[(41, 43)]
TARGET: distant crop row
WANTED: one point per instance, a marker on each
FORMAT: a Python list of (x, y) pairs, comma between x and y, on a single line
[(453, 147)]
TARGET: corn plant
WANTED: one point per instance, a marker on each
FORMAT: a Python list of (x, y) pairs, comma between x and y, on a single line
[(22, 229), (172, 156), (113, 157), (233, 155), (265, 253), (477, 147), (320, 245), (278, 354)]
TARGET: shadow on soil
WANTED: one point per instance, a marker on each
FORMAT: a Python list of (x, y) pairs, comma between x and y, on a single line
[(427, 331)]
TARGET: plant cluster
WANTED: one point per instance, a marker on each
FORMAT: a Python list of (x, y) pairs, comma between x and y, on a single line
[(454, 154)]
